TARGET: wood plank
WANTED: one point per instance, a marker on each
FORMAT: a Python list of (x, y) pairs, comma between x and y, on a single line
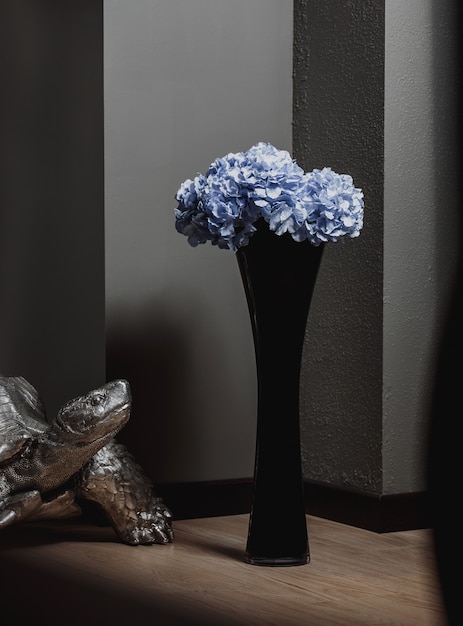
[(355, 577)]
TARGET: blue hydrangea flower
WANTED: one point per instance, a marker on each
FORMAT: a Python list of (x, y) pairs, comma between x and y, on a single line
[(327, 207), (223, 205)]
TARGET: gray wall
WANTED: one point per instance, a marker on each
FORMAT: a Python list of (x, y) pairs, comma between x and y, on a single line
[(338, 121), (420, 223), (375, 94), (185, 82), (181, 88), (51, 197)]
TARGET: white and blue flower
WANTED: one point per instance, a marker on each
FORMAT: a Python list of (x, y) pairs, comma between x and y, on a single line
[(223, 205)]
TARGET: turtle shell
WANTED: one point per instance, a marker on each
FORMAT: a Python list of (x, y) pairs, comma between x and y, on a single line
[(22, 414)]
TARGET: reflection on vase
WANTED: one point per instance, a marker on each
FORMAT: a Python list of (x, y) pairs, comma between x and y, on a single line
[(279, 275)]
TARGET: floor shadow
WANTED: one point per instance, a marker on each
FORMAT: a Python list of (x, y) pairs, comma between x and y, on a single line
[(43, 533)]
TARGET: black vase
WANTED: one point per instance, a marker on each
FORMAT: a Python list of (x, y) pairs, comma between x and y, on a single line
[(279, 275)]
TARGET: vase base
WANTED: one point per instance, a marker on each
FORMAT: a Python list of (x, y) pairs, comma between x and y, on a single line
[(284, 561)]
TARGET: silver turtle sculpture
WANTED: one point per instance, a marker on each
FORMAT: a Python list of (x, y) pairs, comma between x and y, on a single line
[(50, 468)]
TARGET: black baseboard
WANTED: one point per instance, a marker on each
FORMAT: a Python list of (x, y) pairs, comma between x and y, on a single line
[(381, 514)]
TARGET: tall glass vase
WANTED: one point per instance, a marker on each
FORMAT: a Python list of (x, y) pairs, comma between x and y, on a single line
[(279, 275)]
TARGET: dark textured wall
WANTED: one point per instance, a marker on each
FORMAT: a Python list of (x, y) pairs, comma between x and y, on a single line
[(51, 195), (339, 122)]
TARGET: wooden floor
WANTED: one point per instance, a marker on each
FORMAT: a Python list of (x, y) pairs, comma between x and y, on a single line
[(72, 574)]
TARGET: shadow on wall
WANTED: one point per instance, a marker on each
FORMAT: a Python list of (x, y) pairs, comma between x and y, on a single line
[(444, 467), (155, 355), (52, 197)]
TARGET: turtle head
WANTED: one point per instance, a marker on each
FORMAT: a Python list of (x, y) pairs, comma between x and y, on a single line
[(95, 418), (82, 427)]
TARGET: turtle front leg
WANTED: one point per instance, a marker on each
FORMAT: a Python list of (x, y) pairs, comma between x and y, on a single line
[(116, 483)]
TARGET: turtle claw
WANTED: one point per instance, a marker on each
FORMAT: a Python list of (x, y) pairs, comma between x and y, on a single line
[(7, 517), (153, 525), (60, 506), (19, 507)]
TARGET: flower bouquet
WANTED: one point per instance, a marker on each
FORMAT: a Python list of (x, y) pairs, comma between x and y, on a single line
[(223, 205), (261, 205)]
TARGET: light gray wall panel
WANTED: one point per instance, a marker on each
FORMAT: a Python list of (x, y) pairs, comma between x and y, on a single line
[(420, 216), (185, 82)]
